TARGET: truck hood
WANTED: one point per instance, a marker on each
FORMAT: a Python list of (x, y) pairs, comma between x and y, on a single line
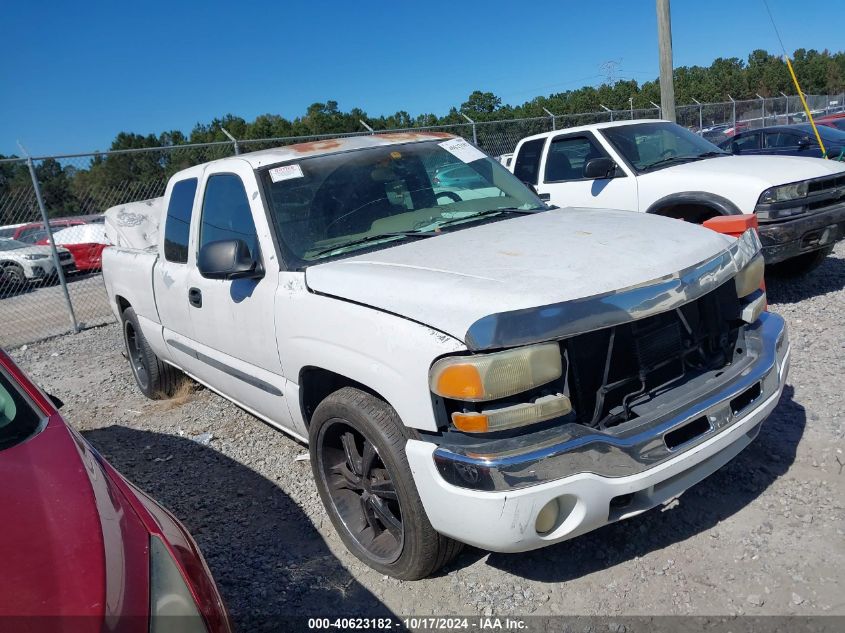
[(767, 171), (452, 280)]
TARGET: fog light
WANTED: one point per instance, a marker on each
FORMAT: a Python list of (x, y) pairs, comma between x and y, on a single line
[(547, 518)]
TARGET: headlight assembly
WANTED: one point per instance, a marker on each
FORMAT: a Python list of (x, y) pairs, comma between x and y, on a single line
[(172, 607), (498, 375), (35, 256), (784, 193)]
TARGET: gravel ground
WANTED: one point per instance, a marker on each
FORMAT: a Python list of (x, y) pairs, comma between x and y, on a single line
[(764, 535)]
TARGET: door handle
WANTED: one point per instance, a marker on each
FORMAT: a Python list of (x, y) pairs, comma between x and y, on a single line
[(545, 196), (195, 297)]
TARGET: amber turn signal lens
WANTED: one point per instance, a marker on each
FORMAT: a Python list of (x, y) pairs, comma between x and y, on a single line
[(461, 382), (471, 422)]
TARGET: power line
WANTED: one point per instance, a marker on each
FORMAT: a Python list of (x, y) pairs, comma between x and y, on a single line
[(775, 26)]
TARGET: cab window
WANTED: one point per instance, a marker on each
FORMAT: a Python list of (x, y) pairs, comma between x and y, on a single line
[(567, 157), (527, 165)]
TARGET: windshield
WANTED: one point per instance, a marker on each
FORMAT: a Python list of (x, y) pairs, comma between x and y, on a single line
[(649, 146), (829, 134), (18, 418), (340, 203), (11, 245)]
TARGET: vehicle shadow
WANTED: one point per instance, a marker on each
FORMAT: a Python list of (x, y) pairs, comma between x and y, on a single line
[(829, 277), (721, 495), (268, 559)]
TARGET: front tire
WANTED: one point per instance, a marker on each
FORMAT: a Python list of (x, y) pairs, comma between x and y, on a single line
[(357, 445), (800, 264), (13, 277), (156, 380)]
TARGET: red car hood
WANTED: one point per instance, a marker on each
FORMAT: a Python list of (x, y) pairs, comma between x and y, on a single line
[(86, 550)]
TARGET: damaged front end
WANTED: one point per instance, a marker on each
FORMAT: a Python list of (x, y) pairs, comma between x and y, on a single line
[(654, 371)]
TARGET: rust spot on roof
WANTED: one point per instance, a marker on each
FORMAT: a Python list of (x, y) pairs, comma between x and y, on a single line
[(412, 136), (315, 146)]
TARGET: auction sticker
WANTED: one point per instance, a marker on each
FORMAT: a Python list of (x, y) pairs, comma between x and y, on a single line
[(462, 150), (285, 172)]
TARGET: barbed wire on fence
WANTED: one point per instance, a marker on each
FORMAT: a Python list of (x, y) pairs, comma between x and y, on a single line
[(79, 187)]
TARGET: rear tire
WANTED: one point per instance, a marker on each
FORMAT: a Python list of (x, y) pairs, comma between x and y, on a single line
[(357, 445), (156, 380), (801, 264)]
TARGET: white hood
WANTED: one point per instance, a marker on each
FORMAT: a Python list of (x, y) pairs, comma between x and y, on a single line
[(768, 170), (740, 179), (450, 281)]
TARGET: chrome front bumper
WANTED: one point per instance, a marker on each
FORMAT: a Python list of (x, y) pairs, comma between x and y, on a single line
[(716, 404)]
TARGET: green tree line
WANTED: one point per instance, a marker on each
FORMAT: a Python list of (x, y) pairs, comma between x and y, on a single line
[(77, 186)]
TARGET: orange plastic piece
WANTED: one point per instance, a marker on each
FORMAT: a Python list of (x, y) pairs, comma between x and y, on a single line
[(733, 225)]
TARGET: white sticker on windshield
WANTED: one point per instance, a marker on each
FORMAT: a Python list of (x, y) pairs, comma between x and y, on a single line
[(285, 172), (462, 150)]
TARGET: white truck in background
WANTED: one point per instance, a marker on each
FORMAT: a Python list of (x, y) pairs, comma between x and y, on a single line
[(661, 168), (466, 365)]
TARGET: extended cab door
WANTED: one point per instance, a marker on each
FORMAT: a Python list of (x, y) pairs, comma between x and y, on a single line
[(170, 275), (233, 319), (562, 175)]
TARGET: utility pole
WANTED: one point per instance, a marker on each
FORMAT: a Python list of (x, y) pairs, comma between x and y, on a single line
[(664, 40)]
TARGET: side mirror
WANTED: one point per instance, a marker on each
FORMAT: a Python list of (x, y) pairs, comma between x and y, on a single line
[(599, 168), (57, 402), (228, 259), (804, 142)]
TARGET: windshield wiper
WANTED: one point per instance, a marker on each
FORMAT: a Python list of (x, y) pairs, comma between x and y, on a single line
[(481, 214), (684, 159), (373, 238)]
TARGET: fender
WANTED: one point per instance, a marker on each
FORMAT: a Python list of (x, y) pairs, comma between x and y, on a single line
[(703, 198), (385, 353)]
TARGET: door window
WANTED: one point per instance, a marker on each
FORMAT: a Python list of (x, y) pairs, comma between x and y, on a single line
[(177, 226), (781, 139), (527, 166), (226, 214), (746, 142), (567, 157)]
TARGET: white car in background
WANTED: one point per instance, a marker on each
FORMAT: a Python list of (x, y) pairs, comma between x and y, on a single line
[(661, 168), (21, 263)]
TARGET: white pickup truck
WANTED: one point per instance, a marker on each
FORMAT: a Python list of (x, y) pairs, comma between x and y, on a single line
[(661, 168), (466, 365)]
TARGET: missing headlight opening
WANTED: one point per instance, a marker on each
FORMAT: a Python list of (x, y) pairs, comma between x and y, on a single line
[(612, 371)]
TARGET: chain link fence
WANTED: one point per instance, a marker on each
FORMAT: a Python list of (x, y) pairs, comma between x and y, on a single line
[(52, 227)]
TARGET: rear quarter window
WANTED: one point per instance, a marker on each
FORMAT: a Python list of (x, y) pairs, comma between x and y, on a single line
[(177, 226)]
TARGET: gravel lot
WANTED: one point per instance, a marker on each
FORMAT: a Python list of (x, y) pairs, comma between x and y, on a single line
[(40, 310), (762, 536)]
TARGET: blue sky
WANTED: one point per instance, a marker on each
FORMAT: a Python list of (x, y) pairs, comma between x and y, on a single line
[(76, 74)]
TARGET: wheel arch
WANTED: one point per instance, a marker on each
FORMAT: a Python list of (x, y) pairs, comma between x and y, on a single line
[(317, 383), (122, 303), (693, 206)]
